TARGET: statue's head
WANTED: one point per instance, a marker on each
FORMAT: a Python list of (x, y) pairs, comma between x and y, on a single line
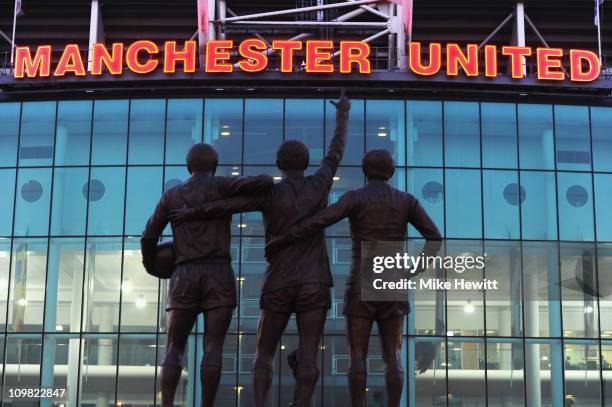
[(202, 158), (378, 164), (292, 155)]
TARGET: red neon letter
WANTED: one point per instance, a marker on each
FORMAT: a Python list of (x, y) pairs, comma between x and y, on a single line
[(435, 56), (256, 60), (456, 57), (286, 49), (70, 61), (316, 52), (516, 59), (113, 63), (131, 57), (547, 67), (577, 56), (39, 66), (171, 55), (490, 61), (354, 52), (216, 53)]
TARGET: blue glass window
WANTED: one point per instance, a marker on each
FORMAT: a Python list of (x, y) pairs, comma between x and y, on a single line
[(461, 134), (601, 131), (536, 139), (427, 186), (73, 133), (499, 135), (9, 131), (263, 130), (109, 138), (502, 195), (355, 144), (223, 128), (603, 206), (572, 138), (424, 122), (463, 204), (37, 134), (143, 192), (575, 196), (69, 201), (183, 128), (147, 122), (7, 184), (32, 204), (385, 127), (304, 122), (538, 211), (106, 194)]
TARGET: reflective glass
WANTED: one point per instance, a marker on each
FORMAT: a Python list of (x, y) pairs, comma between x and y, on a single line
[(427, 186), (147, 121), (505, 363), (543, 373), (575, 196), (263, 130), (424, 123), (9, 132), (32, 203), (502, 198), (183, 128), (582, 374), (538, 210), (60, 366), (463, 203), (110, 127), (603, 205), (223, 128), (499, 135), (73, 132), (304, 122), (601, 132), (37, 134), (136, 352), (5, 269), (69, 201), (386, 128), (461, 134), (355, 144), (572, 138), (22, 356), (143, 192), (467, 355), (7, 184), (99, 353), (106, 195), (536, 137)]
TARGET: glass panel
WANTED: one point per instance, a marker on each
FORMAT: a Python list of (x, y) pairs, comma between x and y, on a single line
[(136, 353), (102, 285), (183, 128), (27, 286), (64, 285), (427, 186), (106, 189), (505, 374), (32, 204), (9, 131), (601, 131), (139, 299), (603, 203), (253, 265), (466, 359), (223, 128), (99, 354), (538, 211), (502, 197), (582, 375), (143, 193), (339, 251), (463, 204), (109, 138), (543, 373), (60, 367), (430, 389), (424, 133), (263, 130), (499, 135), (69, 201), (606, 366), (355, 144), (575, 207), (572, 138), (73, 132), (536, 141), (604, 280), (461, 134), (304, 122), (22, 358), (147, 121), (7, 184), (386, 128), (37, 134), (5, 267)]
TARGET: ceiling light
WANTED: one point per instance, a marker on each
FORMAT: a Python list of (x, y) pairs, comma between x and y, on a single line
[(336, 178), (126, 286), (382, 134), (469, 308), (242, 225), (226, 133), (277, 178), (59, 327), (588, 309), (22, 301), (235, 173), (141, 303)]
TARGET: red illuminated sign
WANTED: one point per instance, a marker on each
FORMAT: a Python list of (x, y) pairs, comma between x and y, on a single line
[(313, 56)]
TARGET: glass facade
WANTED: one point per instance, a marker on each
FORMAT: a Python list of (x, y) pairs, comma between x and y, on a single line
[(531, 184)]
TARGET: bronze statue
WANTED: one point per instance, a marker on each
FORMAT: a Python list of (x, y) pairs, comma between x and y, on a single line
[(299, 281), (203, 280), (376, 212)]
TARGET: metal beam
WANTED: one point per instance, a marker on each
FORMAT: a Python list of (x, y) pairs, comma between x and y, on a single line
[(535, 30), (6, 37), (369, 39), (373, 10), (313, 23), (496, 30)]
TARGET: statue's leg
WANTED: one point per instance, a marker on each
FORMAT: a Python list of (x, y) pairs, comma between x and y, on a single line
[(179, 323), (271, 327), (216, 324), (391, 342), (310, 329), (358, 330)]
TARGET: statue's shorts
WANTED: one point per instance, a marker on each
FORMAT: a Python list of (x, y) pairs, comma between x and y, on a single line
[(373, 310), (201, 286), (298, 298)]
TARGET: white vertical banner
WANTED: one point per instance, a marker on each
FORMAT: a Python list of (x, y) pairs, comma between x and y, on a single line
[(17, 12)]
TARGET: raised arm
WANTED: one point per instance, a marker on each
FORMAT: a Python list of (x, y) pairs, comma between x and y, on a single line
[(221, 208), (232, 186), (153, 230)]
